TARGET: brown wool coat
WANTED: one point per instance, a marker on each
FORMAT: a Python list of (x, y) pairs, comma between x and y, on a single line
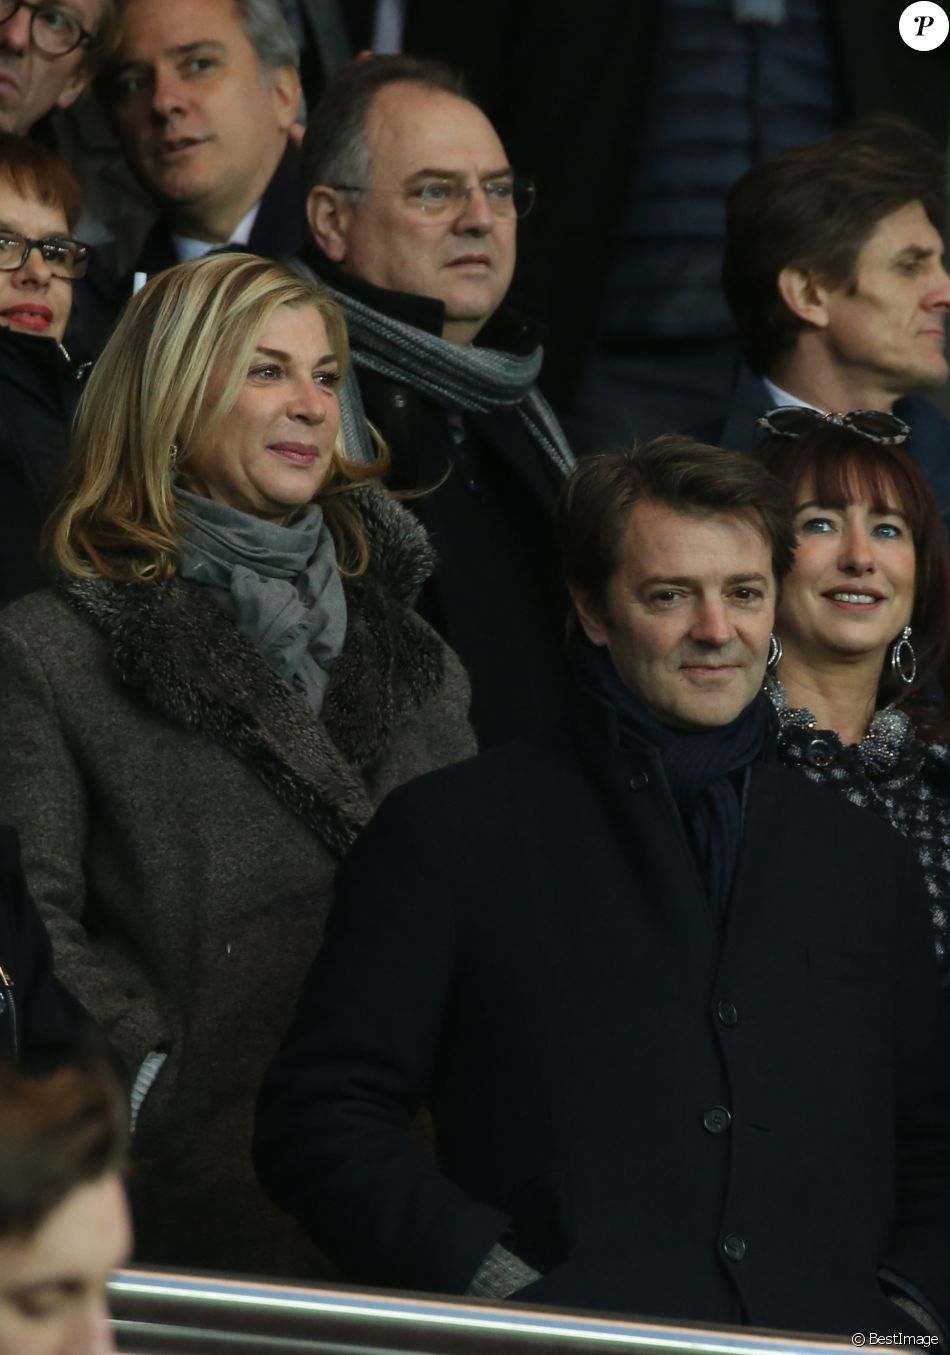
[(182, 815)]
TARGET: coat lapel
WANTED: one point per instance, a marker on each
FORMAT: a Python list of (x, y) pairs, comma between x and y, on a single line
[(174, 646)]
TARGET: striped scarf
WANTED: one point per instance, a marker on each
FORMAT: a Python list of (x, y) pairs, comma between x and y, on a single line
[(460, 377)]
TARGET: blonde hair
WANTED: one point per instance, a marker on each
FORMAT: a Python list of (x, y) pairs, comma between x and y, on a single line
[(148, 399)]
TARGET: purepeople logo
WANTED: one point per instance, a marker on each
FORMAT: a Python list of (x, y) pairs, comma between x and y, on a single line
[(924, 26)]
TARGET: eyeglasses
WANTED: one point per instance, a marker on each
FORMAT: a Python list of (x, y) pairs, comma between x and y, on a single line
[(507, 196), (792, 421), (54, 31), (63, 257)]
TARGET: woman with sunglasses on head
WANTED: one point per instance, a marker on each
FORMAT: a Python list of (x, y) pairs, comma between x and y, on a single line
[(40, 385), (861, 630)]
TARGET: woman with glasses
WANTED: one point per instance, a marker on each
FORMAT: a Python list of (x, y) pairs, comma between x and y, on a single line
[(224, 680), (861, 631), (39, 382)]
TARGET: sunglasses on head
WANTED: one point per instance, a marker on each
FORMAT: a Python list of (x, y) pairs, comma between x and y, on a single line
[(792, 421)]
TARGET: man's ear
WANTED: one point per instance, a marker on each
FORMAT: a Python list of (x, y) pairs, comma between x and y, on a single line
[(73, 87), (804, 295), (286, 89), (592, 622), (328, 214)]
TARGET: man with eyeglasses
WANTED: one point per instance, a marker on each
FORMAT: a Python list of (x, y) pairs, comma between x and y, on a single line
[(48, 55), (413, 208), (835, 274)]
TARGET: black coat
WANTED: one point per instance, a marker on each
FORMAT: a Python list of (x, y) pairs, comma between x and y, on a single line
[(39, 391), (744, 1132), (495, 595), (40, 1025)]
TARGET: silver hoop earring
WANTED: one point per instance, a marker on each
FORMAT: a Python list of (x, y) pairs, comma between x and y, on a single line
[(903, 658), (775, 653)]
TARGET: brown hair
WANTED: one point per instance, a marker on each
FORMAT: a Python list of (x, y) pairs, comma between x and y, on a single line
[(34, 172), (147, 403), (838, 464), (814, 208), (334, 149), (675, 470), (57, 1132)]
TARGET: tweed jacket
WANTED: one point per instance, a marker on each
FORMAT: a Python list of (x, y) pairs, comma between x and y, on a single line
[(182, 813)]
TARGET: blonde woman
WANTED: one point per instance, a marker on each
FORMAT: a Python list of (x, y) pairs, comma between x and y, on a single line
[(199, 715)]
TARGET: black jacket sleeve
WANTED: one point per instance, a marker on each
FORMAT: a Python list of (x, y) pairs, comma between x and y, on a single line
[(917, 1260), (41, 1025), (333, 1145)]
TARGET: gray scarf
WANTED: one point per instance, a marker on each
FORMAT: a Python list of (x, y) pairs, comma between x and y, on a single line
[(458, 376), (279, 584)]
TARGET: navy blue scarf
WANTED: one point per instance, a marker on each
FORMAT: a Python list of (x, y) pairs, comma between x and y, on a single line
[(704, 769)]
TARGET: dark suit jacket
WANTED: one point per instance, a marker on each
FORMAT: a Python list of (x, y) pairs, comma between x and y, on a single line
[(929, 444), (279, 229), (744, 1131)]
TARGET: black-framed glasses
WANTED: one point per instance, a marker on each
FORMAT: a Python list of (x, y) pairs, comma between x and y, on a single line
[(63, 257), (54, 31), (507, 195), (792, 421)]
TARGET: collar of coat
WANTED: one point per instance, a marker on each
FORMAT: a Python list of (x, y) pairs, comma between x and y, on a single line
[(182, 655)]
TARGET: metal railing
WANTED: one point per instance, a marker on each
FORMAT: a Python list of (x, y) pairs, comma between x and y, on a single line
[(178, 1313)]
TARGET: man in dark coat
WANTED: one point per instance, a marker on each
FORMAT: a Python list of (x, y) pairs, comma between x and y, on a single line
[(413, 209), (673, 1009), (633, 124), (204, 99), (834, 272)]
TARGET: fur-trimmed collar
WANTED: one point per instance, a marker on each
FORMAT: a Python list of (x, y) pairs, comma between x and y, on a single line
[(175, 647)]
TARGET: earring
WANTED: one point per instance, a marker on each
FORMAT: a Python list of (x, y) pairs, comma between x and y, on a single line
[(173, 454), (903, 658), (775, 653)]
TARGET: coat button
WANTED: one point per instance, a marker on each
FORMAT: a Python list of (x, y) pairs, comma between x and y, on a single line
[(819, 752), (717, 1120), (639, 780), (400, 399), (727, 1013), (733, 1244)]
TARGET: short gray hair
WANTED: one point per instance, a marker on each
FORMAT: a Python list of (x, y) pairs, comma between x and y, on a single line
[(335, 149)]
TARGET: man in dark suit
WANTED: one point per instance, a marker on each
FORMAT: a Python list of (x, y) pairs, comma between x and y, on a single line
[(674, 1010), (204, 98), (835, 275), (413, 208)]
